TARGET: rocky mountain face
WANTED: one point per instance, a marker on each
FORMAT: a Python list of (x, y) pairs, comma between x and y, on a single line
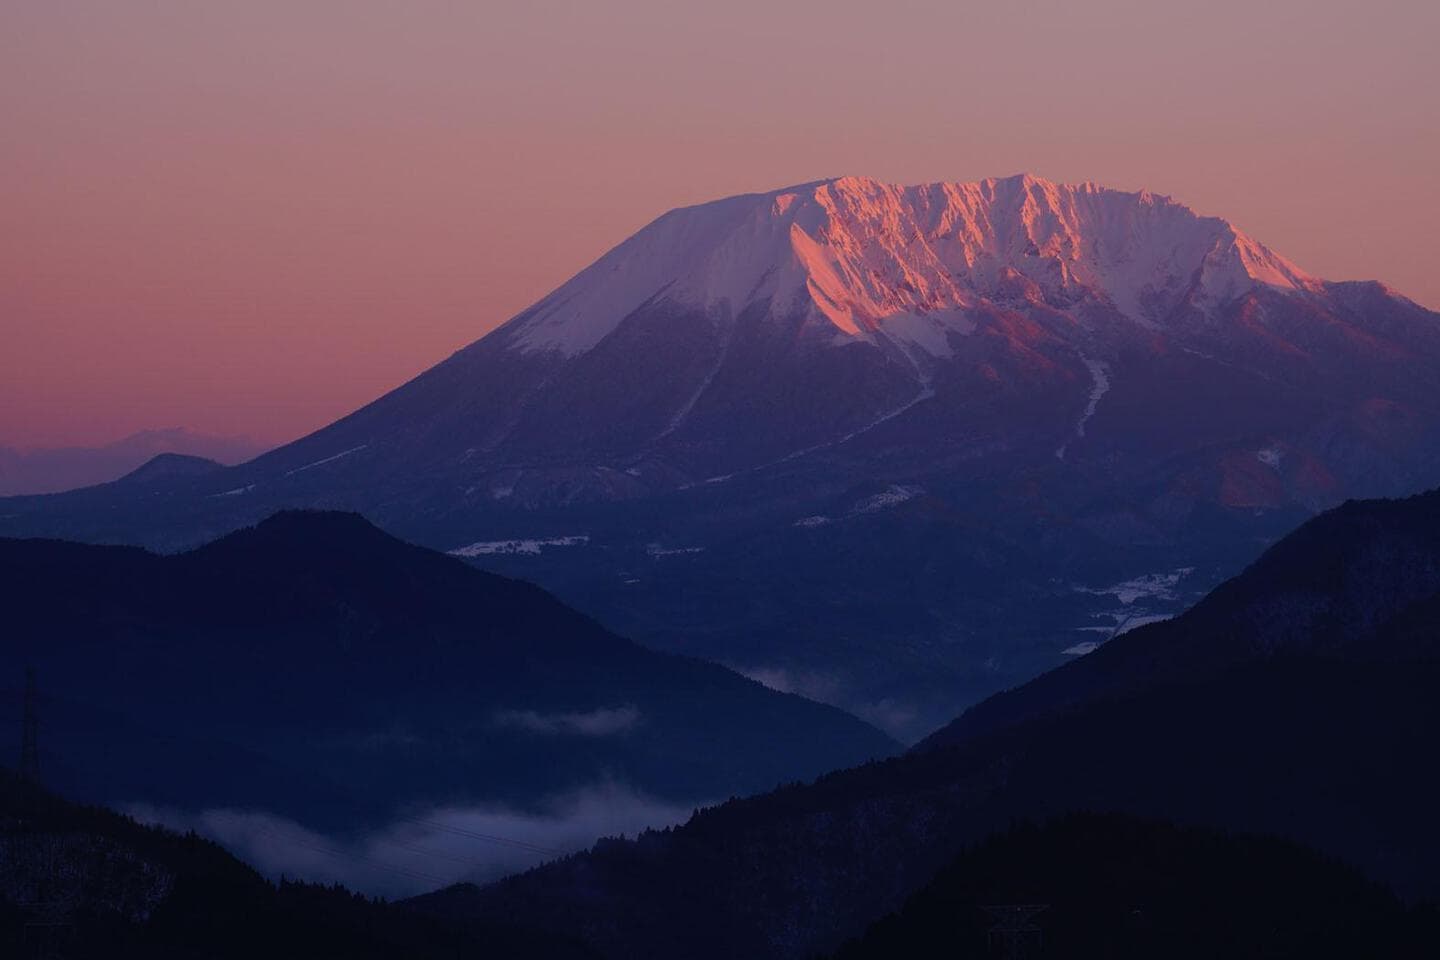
[(892, 447), (1294, 702)]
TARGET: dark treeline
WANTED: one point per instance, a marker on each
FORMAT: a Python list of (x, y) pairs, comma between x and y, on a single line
[(1121, 887), (79, 881)]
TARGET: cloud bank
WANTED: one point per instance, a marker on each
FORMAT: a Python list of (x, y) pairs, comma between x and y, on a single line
[(434, 847), (601, 722)]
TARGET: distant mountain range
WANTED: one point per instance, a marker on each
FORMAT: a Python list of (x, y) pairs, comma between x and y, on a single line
[(315, 669), (50, 470), (1296, 701), (893, 447)]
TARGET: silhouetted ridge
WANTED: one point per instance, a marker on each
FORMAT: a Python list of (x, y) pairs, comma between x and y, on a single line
[(341, 535), (289, 528), (1129, 889), (313, 559), (318, 668), (167, 466)]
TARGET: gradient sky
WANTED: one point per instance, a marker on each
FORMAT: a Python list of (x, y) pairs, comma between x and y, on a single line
[(252, 217)]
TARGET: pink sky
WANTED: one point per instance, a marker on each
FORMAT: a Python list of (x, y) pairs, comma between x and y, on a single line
[(253, 217)]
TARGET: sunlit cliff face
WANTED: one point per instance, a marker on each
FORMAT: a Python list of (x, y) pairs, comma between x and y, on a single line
[(863, 256)]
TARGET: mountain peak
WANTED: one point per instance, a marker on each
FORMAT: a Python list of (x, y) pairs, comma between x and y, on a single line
[(291, 532), (164, 466), (300, 524), (856, 257)]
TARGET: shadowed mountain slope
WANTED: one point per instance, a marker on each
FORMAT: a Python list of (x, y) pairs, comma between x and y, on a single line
[(1123, 888), (1314, 730), (317, 668)]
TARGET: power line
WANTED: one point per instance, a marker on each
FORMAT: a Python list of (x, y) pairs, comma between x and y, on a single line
[(358, 857), (1014, 929), (30, 731), (384, 865), (488, 837), (437, 854)]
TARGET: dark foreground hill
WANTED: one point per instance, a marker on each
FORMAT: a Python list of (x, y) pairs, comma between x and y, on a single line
[(897, 446), (81, 881), (319, 669), (1360, 583), (1130, 889), (1303, 705)]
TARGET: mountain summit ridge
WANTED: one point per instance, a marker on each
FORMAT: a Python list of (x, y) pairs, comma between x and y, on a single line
[(863, 257)]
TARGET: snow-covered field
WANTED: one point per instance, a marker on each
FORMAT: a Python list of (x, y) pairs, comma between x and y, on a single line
[(489, 547)]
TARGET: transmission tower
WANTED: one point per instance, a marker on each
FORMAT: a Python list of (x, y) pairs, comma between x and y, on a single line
[(1014, 931), (30, 731)]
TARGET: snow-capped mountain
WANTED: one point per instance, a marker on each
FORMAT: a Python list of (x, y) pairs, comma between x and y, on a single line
[(860, 259), (892, 447), (741, 333)]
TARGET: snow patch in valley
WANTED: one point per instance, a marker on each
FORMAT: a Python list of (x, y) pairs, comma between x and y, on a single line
[(1156, 586), (656, 550), (1142, 601), (893, 496), (512, 547), (318, 463), (926, 392), (1270, 456), (236, 492), (1099, 386), (694, 398), (1124, 622), (1136, 622)]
